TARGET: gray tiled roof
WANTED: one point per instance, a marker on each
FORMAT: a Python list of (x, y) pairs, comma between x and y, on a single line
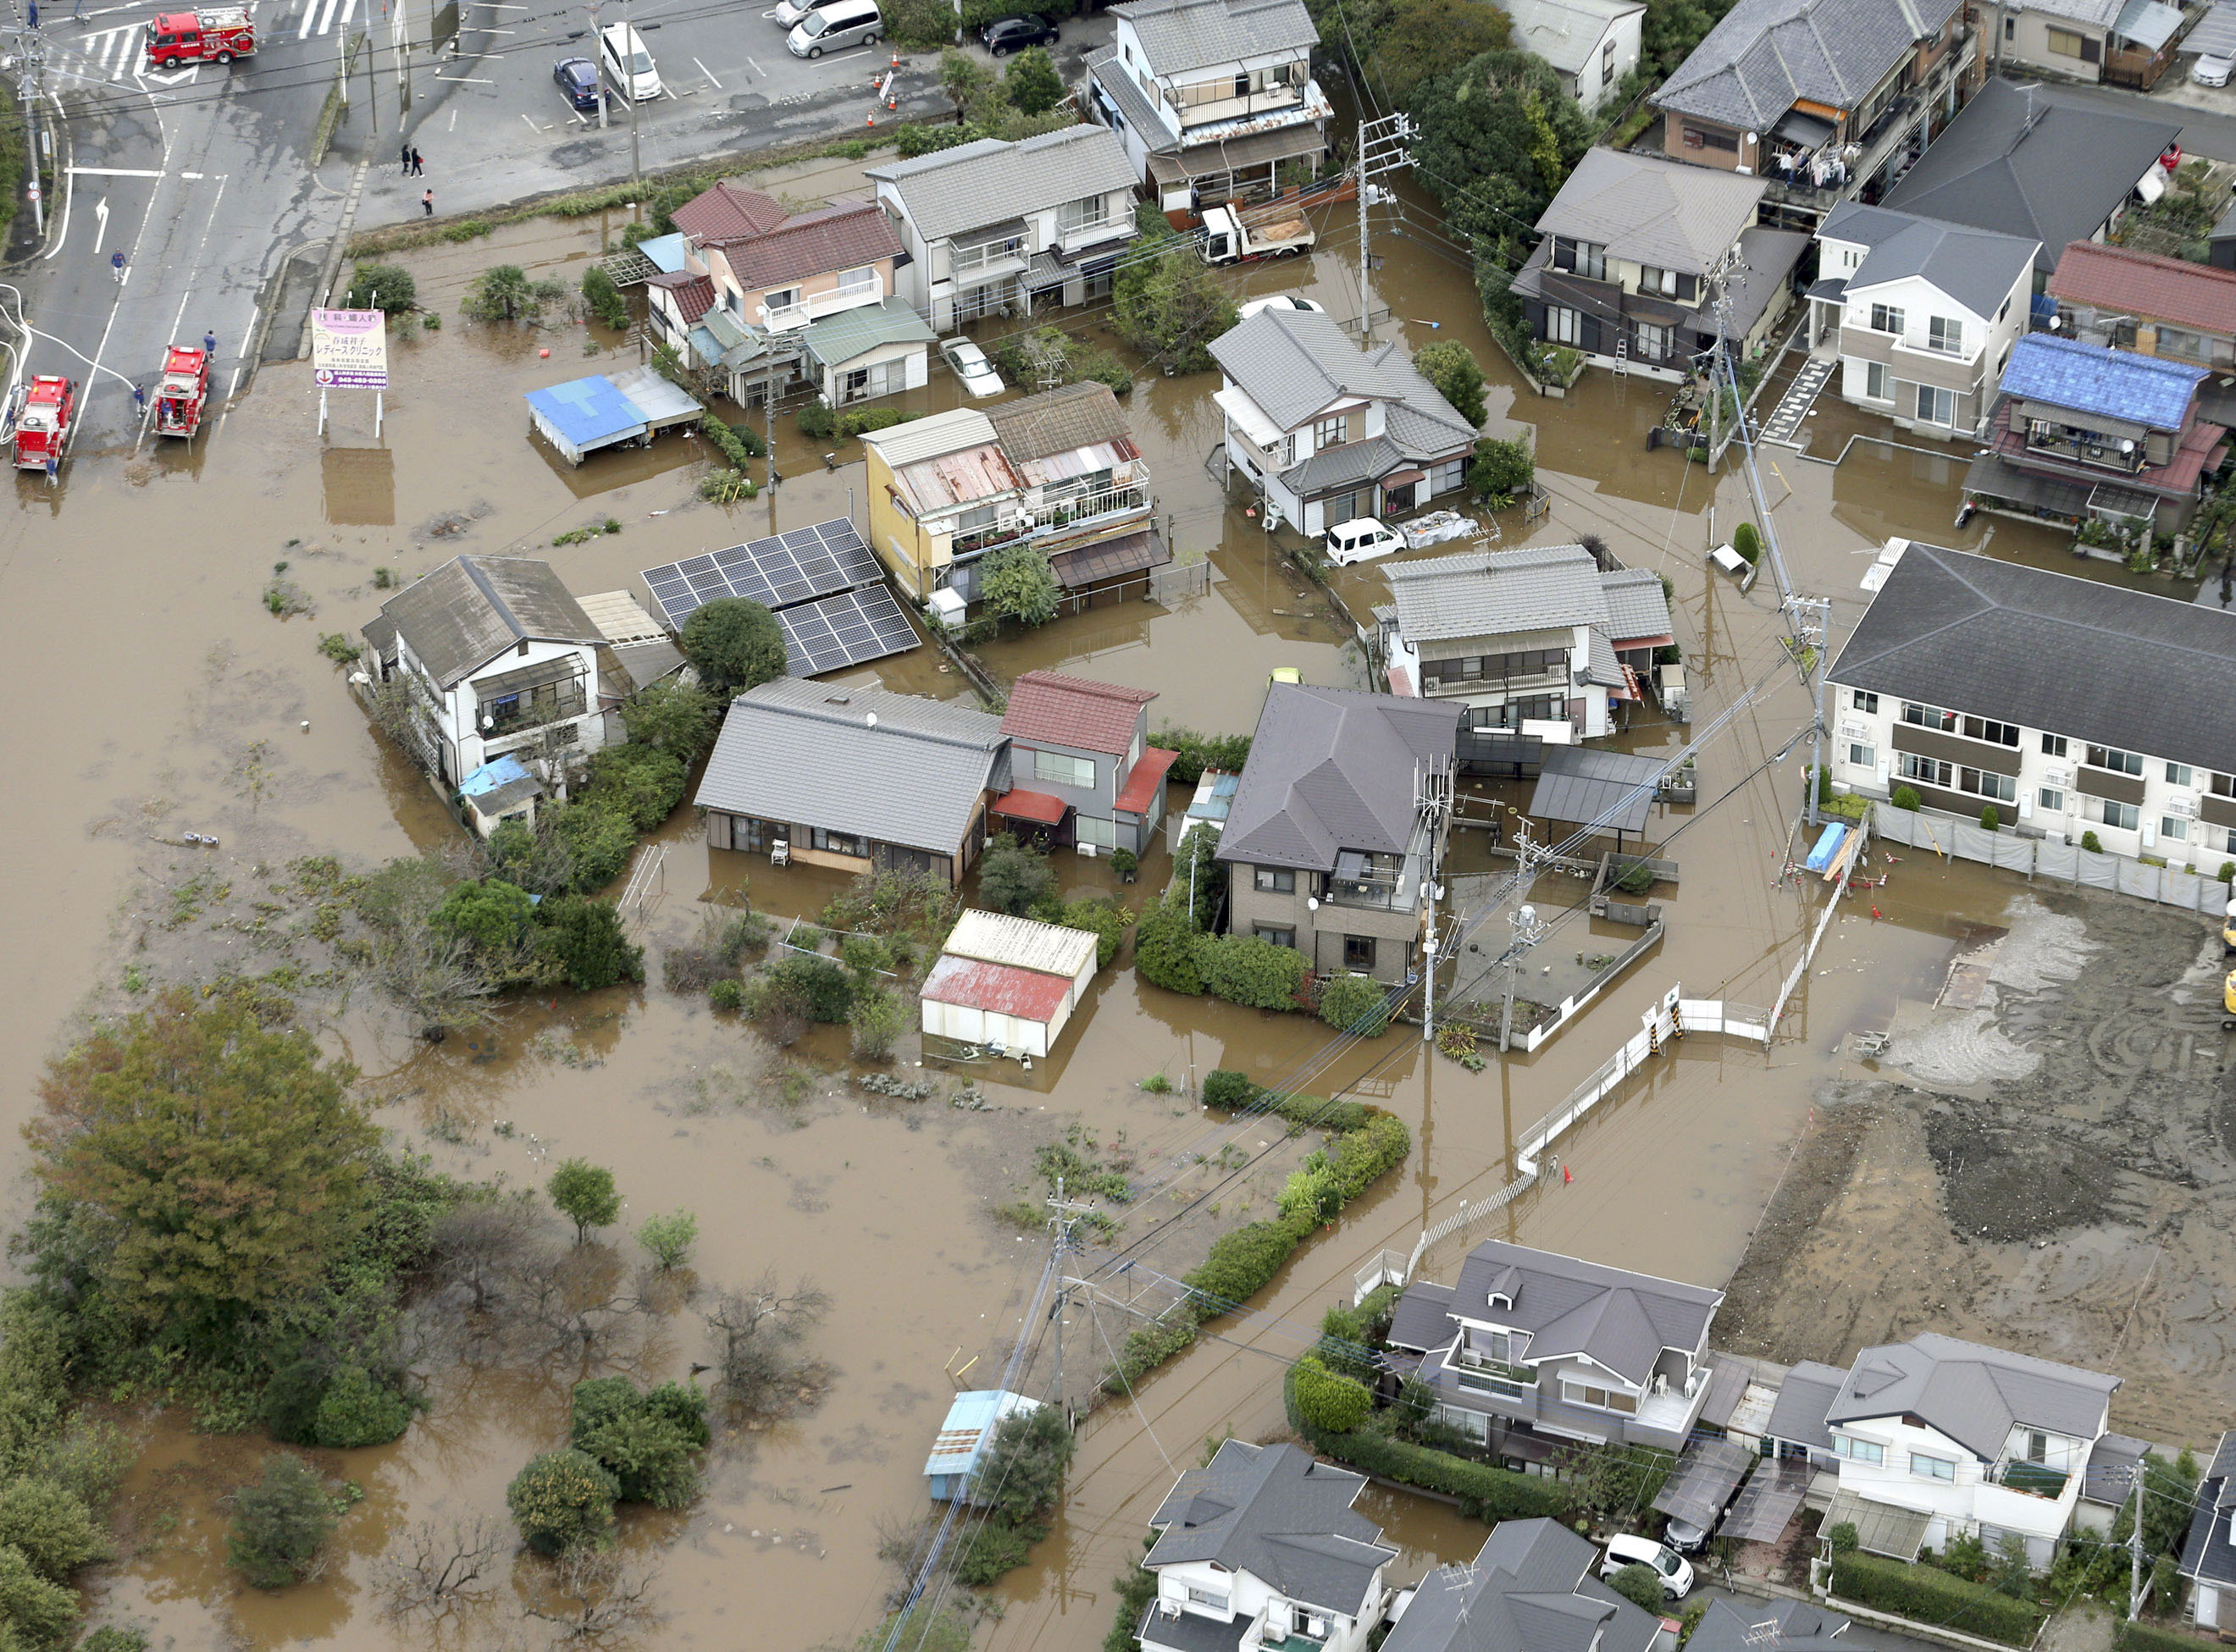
[(1178, 36), (806, 754), (2020, 160), (1655, 211), (1973, 1393), (1423, 1317), (473, 608), (1637, 604), (1487, 593), (1293, 362), (1333, 769), (1622, 1319), (2049, 651), (2208, 1554), (1768, 54), (1530, 1589), (1344, 466), (1803, 1397), (1977, 267), (1565, 33), (1274, 1511), (1134, 105), (988, 181), (1801, 1627)]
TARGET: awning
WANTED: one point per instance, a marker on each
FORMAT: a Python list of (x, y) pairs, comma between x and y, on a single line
[(2148, 24), (1240, 155), (1021, 804), (1706, 1475), (1403, 478), (1994, 477), (1110, 559), (1807, 130), (1146, 784), (1044, 274), (1487, 750), (1881, 1528), (1768, 1502), (1583, 785), (2106, 499)]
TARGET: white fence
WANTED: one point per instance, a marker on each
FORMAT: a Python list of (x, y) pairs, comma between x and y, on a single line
[(2041, 857)]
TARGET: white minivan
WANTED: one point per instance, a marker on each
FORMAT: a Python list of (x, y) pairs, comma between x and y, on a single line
[(835, 28), (1361, 540), (629, 65), (1675, 1572), (789, 12)]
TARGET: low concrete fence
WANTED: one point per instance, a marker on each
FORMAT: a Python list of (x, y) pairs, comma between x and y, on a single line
[(2039, 857)]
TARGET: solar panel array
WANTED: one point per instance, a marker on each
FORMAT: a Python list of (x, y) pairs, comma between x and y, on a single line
[(849, 629), (796, 567)]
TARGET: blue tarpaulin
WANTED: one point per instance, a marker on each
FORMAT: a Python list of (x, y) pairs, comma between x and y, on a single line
[(487, 778), (583, 414), (1827, 846)]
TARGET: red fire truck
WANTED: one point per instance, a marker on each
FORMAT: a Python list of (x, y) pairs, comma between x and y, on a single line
[(217, 36), (42, 422), (185, 387)]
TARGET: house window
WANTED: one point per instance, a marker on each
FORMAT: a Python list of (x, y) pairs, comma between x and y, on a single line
[(1981, 728), (854, 283), (1581, 1394), (1103, 834), (2104, 756), (1859, 1451), (1885, 318), (781, 300), (1935, 405), (1928, 716), (1562, 325), (1587, 258), (1328, 433), (1448, 478), (1090, 212), (1701, 137), (2174, 828), (1945, 334), (1209, 1600), (2124, 816), (1864, 700), (1878, 384), (2223, 785), (838, 843), (1359, 953), (1653, 343), (2066, 43), (1279, 937), (1862, 756), (1981, 784), (1932, 1468), (2176, 341), (2051, 799), (2053, 746), (1062, 770), (1929, 772), (2181, 774), (1651, 280), (1277, 880)]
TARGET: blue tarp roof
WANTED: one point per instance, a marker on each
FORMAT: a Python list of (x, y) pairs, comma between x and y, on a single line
[(665, 250), (969, 1428), (502, 772), (1827, 846), (586, 410), (2116, 384)]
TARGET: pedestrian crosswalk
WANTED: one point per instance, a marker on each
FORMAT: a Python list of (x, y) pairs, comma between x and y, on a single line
[(324, 17), (109, 54)]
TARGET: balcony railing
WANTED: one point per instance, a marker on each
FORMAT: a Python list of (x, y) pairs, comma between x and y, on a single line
[(821, 305), (1485, 1376), (1265, 101), (1052, 515), (1275, 1631), (988, 258), (2035, 1479)]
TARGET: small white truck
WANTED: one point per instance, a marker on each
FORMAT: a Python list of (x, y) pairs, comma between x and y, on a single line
[(1231, 236)]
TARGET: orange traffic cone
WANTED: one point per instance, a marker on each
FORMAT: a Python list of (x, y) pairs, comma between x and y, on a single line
[(1566, 1177), (872, 119), (892, 102)]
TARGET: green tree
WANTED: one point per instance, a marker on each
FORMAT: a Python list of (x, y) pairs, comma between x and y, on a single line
[(733, 644), (504, 293), (1449, 365), (50, 1526), (1021, 1478), (1013, 877), (679, 718), (642, 782), (604, 298), (1166, 303), (563, 1500), (1498, 135), (669, 1238), (1424, 38), (1327, 1399), (583, 940), (1641, 1585), (356, 1411), (1746, 540), (210, 1165), (1501, 469), (965, 80), (1166, 946), (34, 1611), (280, 1523), (1242, 969), (1033, 85), (496, 918), (388, 288), (874, 1023), (1018, 583), (822, 987), (584, 1194), (646, 1441)]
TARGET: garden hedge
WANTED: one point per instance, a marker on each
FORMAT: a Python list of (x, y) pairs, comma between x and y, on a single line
[(1928, 1594), (2145, 1637), (1490, 1493)]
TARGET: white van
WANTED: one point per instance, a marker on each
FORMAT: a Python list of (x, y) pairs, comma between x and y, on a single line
[(789, 12), (1361, 540), (835, 28), (1676, 1575), (629, 65)]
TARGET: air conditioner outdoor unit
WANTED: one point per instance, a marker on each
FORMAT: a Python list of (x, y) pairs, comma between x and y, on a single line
[(1088, 849)]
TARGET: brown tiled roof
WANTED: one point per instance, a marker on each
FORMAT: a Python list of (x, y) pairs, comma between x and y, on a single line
[(845, 237), (694, 294), (727, 212), (1078, 416), (1057, 710), (2155, 289)]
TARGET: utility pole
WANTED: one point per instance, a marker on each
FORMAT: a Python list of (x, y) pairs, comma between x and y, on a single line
[(371, 77), (1064, 1216), (1436, 811), (35, 64), (2135, 1551), (1382, 148), (402, 61), (636, 168), (598, 64), (1812, 619)]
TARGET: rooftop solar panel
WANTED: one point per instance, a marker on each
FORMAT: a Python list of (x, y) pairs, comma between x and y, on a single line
[(850, 628), (798, 565)]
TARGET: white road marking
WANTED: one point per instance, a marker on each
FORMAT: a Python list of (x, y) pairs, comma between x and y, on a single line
[(462, 80), (181, 316), (453, 127), (532, 126), (709, 74), (112, 171), (758, 69)]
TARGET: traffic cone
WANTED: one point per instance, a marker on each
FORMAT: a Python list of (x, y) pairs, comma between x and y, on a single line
[(1566, 1176), (892, 102), (872, 119)]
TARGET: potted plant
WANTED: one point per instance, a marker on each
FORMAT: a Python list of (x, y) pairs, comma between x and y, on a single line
[(1124, 863)]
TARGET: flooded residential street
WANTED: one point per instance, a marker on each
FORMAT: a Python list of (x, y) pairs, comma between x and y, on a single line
[(155, 695)]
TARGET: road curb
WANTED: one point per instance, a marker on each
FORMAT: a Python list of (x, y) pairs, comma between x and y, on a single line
[(336, 250), (66, 162)]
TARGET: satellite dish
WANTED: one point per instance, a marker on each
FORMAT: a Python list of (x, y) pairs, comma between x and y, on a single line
[(1752, 139), (1528, 915), (872, 719), (1312, 903)]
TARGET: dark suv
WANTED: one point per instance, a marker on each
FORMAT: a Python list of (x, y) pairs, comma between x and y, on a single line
[(578, 79), (1007, 35)]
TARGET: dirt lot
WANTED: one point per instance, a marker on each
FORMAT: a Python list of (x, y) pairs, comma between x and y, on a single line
[(2054, 1171)]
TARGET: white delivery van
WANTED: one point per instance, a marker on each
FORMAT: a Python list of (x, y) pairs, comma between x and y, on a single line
[(629, 65), (1361, 540)]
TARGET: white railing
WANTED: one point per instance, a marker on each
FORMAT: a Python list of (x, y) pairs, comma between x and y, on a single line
[(969, 260)]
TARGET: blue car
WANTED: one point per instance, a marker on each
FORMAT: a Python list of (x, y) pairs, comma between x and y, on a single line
[(578, 79)]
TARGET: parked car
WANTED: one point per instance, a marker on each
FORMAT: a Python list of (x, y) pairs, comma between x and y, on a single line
[(1676, 1574), (1007, 35), (578, 79), (2212, 68), (834, 27), (629, 65), (789, 12), (1361, 540), (1282, 301), (1684, 1536), (971, 366)]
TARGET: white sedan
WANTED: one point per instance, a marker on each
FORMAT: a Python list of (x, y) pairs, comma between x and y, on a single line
[(971, 366), (1282, 301), (2212, 68)]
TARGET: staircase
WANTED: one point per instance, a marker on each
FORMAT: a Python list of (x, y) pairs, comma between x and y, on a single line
[(1793, 407)]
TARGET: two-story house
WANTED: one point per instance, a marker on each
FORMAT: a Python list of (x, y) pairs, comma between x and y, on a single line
[(1056, 471), (2125, 42), (1329, 847), (2208, 1552), (2076, 708), (2155, 306), (758, 281), (1260, 1551), (1937, 1438), (1083, 768), (1539, 641), (995, 228), (1328, 432), (1825, 98), (1530, 1350), (1533, 1586), (495, 656), (1591, 44), (2084, 431), (1921, 315), (1641, 262), (1211, 98)]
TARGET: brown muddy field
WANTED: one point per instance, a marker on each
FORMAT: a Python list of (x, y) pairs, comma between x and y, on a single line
[(153, 695)]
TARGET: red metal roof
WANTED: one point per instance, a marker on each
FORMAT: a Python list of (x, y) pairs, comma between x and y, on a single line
[(1144, 785), (694, 294), (1032, 805), (823, 242), (2149, 287), (1057, 710), (727, 211), (1000, 989)]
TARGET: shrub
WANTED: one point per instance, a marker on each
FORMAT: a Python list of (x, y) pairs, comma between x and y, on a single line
[(1364, 1153), (1018, 582), (2142, 1638), (584, 1193), (646, 1441), (1356, 1004), (1932, 1596), (1484, 1490), (1012, 875), (604, 298), (823, 989), (503, 293), (34, 1612), (388, 288), (596, 842), (583, 940), (642, 782), (1746, 540), (722, 944), (1328, 1400), (1905, 798), (1124, 861), (357, 1411), (733, 644), (562, 1500), (1990, 820), (1197, 752), (2088, 840), (1032, 83), (50, 1526), (1451, 367), (1102, 917), (280, 1523), (1641, 1585), (1257, 974), (1225, 1088), (874, 1023), (496, 918), (2227, 872), (1843, 1537), (728, 993), (669, 1238), (1165, 949), (1501, 469)]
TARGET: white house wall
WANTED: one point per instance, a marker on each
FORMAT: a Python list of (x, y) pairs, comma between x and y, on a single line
[(1247, 1597), (1919, 300), (1960, 1505)]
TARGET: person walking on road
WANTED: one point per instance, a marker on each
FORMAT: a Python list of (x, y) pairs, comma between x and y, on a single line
[(419, 163), (209, 346), (116, 264), (404, 157), (427, 203)]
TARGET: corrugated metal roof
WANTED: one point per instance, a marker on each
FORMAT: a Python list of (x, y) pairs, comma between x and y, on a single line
[(919, 439), (1488, 593), (960, 478), (1084, 415), (471, 609), (2140, 283), (836, 340), (621, 618), (988, 180), (1655, 211), (1022, 943), (997, 989), (970, 1428), (1586, 785), (1178, 36)]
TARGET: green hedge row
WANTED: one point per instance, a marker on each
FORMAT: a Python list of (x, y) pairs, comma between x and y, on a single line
[(2144, 1637), (1489, 1491), (1928, 1594)]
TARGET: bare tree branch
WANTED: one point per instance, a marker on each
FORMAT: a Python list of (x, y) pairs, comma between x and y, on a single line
[(756, 1333), (592, 1593), (434, 1570)]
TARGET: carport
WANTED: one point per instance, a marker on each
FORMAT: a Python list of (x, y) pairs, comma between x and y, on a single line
[(1609, 791), (1881, 1528), (1768, 1502), (1705, 1475)]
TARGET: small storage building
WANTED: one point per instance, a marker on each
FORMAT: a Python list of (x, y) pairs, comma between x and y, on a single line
[(967, 1435), (1007, 981)]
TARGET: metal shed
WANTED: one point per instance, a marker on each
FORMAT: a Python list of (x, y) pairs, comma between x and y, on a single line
[(1007, 981), (966, 1436)]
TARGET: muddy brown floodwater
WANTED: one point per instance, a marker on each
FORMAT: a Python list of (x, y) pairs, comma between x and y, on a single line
[(154, 695)]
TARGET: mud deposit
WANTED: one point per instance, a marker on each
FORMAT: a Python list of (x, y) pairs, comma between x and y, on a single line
[(2079, 1212)]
